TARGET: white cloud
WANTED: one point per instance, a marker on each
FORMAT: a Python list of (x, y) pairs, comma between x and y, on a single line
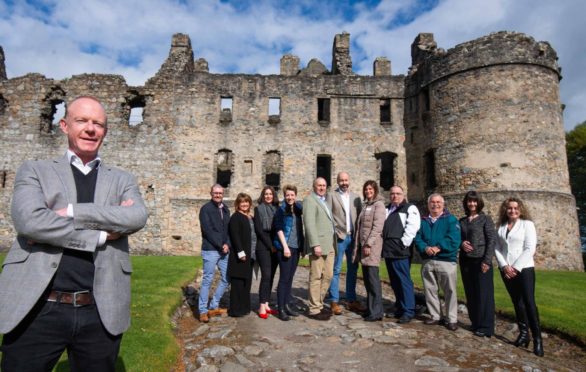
[(96, 35)]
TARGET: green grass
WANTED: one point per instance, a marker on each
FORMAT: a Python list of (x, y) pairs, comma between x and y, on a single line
[(149, 344), (559, 296)]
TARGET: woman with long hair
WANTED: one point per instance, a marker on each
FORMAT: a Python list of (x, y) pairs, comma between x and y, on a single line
[(266, 254), (243, 239), (289, 243), (518, 241), (476, 252), (368, 247)]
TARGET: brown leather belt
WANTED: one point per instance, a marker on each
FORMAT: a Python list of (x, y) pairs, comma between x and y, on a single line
[(77, 299)]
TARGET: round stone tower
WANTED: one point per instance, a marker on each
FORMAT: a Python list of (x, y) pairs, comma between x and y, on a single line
[(488, 117)]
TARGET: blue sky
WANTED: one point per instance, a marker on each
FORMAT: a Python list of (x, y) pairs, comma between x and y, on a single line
[(60, 38)]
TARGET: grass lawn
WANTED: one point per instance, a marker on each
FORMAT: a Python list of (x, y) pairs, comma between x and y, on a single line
[(559, 296), (149, 344)]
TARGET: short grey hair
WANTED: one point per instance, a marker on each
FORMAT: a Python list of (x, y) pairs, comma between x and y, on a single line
[(434, 195)]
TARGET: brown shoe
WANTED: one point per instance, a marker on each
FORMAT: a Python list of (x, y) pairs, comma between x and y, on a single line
[(336, 309), (355, 306), (217, 311), (204, 318), (452, 326), (431, 321)]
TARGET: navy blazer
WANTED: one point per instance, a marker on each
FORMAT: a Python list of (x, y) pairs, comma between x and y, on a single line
[(214, 230)]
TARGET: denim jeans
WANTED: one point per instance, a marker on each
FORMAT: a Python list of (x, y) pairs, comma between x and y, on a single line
[(211, 259), (345, 247)]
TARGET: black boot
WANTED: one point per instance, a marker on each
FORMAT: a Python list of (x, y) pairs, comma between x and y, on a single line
[(523, 338), (538, 346), (289, 310)]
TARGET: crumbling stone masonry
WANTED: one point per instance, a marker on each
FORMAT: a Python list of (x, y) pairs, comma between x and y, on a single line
[(485, 115)]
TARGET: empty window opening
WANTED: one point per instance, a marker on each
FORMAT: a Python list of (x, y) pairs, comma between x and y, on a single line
[(273, 169), (226, 104), (3, 179), (324, 168), (274, 106), (386, 167), (226, 109), (323, 110), (247, 167), (430, 180), (137, 104), (224, 167), (135, 116), (385, 111), (426, 100), (3, 105)]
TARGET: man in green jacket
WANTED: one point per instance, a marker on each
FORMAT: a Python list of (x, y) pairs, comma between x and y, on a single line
[(438, 241), (319, 238)]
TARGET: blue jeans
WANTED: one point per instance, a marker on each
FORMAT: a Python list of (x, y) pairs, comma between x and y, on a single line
[(345, 247), (400, 277), (211, 259)]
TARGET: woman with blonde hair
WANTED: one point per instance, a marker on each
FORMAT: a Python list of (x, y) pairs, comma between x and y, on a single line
[(518, 241)]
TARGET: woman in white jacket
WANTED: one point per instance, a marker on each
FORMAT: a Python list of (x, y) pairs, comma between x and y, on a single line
[(518, 239)]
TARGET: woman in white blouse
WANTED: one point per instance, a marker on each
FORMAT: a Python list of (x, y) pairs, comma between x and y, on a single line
[(514, 254)]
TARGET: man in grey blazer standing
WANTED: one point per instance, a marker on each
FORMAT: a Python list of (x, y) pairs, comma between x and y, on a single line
[(346, 207), (319, 238), (65, 283)]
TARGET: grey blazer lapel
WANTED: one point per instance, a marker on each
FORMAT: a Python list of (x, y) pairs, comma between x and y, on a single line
[(63, 171), (103, 185), (323, 206)]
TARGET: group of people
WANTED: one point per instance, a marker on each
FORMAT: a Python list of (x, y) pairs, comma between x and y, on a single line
[(328, 227)]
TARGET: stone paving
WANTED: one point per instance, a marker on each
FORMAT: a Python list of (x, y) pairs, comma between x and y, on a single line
[(347, 343)]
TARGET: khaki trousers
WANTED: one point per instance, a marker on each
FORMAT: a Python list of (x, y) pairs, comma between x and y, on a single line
[(442, 275), (321, 270)]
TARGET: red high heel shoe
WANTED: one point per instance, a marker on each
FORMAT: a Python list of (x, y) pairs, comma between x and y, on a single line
[(273, 312), (263, 316)]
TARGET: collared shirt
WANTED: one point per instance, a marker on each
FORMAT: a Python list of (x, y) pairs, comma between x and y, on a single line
[(433, 219), (391, 209), (83, 168), (346, 203)]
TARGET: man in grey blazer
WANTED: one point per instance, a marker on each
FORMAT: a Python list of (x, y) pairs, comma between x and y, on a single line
[(65, 282), (346, 207), (319, 238)]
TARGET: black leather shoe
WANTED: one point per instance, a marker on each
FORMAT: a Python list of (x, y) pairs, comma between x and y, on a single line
[(404, 319), (373, 318), (289, 310), (538, 346), (320, 316), (452, 326), (523, 338), (431, 321), (481, 334), (283, 316)]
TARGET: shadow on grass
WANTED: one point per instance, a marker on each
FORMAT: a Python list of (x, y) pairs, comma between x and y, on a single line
[(63, 366)]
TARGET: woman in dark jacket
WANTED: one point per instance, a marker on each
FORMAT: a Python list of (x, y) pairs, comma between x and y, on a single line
[(243, 238), (289, 243), (266, 254), (479, 240)]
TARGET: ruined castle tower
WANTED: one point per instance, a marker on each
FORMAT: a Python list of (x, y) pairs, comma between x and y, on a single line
[(484, 115)]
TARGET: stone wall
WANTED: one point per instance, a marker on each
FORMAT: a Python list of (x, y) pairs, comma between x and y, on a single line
[(451, 125)]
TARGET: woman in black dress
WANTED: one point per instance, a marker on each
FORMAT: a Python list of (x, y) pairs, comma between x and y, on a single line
[(266, 254), (243, 239), (479, 240)]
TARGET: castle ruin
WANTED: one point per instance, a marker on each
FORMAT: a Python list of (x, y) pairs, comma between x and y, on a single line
[(484, 115)]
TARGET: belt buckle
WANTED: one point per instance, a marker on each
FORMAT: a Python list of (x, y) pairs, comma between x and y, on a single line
[(75, 297)]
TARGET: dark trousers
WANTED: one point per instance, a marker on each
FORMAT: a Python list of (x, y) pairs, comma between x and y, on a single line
[(374, 295), (287, 268), (400, 278), (268, 263), (51, 328), (479, 289), (522, 291), (239, 296)]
